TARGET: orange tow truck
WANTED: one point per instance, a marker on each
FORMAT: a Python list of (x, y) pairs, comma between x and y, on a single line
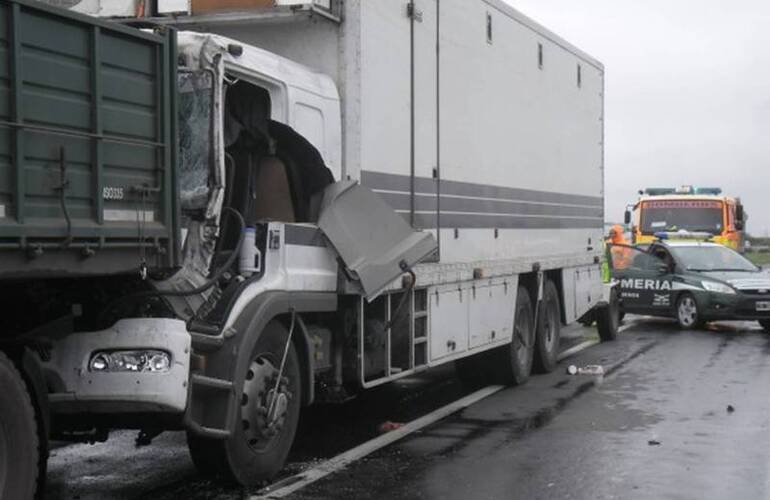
[(687, 209)]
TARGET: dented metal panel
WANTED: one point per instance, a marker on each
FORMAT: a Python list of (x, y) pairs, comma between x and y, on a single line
[(375, 243)]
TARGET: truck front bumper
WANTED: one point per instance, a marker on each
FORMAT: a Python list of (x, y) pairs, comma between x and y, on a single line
[(78, 389)]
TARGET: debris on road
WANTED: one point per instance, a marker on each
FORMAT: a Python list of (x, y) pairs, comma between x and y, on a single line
[(653, 442), (585, 370), (730, 408), (389, 426)]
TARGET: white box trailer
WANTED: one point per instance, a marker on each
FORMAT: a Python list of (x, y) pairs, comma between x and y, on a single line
[(471, 121), (480, 134)]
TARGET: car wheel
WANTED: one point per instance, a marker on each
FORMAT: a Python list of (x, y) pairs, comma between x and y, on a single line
[(548, 330), (765, 323), (259, 445), (687, 313), (514, 361)]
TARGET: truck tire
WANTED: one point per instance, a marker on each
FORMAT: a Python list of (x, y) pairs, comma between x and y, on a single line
[(548, 330), (765, 324), (514, 362), (257, 449), (19, 442), (608, 319)]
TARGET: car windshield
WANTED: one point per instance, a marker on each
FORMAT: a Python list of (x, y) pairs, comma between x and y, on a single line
[(712, 258), (677, 215)]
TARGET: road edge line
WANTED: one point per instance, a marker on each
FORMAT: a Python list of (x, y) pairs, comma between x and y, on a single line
[(294, 483), (586, 344)]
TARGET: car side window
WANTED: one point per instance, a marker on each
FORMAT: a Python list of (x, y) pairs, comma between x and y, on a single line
[(664, 256), (627, 258)]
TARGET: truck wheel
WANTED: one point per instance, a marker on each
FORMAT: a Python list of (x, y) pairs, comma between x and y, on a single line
[(514, 362), (687, 313), (260, 443), (18, 435), (608, 319), (548, 330), (765, 323)]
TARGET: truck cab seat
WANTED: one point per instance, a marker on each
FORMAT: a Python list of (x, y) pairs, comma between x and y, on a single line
[(272, 193)]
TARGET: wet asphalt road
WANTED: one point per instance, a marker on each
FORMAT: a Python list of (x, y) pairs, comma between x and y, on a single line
[(656, 426)]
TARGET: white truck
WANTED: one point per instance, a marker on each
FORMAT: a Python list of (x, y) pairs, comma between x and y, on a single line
[(364, 191)]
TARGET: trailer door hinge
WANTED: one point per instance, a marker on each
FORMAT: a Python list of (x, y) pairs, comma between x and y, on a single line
[(412, 12)]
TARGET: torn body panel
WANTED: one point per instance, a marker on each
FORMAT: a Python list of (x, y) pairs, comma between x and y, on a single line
[(376, 244)]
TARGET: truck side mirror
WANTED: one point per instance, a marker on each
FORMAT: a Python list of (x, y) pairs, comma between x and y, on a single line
[(627, 217), (740, 217)]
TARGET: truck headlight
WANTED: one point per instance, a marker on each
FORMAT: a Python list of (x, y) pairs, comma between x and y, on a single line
[(147, 360), (713, 286)]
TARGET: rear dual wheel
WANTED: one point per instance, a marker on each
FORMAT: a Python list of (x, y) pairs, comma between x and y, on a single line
[(268, 412), (548, 337), (514, 362)]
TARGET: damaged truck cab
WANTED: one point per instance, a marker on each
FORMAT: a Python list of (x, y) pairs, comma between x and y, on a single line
[(271, 244)]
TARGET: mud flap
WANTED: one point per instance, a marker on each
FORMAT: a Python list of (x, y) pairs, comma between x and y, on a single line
[(375, 243)]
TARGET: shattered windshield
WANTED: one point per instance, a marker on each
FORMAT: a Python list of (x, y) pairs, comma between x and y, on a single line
[(195, 142)]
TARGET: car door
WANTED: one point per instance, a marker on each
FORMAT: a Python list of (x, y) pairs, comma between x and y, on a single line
[(645, 279)]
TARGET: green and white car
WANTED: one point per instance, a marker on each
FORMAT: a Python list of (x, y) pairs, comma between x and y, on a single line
[(693, 282)]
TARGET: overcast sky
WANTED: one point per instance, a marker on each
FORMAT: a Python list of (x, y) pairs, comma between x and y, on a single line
[(687, 93)]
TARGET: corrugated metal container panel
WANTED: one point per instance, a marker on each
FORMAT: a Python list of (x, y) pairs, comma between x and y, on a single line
[(86, 144)]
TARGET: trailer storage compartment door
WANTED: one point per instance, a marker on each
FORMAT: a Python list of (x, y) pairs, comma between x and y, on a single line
[(87, 149)]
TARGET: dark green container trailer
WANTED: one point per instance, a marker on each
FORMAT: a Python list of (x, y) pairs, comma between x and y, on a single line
[(87, 144)]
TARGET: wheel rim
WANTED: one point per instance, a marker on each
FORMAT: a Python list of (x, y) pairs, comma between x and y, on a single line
[(261, 426), (688, 311), (3, 458), (522, 332)]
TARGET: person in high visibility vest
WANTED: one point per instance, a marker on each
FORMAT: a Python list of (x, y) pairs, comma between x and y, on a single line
[(619, 254)]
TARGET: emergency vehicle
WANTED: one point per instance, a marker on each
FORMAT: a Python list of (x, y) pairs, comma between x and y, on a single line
[(690, 209), (691, 281)]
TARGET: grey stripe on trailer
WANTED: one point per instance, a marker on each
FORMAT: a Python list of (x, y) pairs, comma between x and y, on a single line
[(380, 181), (427, 202), (503, 221)]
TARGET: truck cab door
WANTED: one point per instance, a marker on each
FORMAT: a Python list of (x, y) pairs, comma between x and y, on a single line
[(375, 244), (645, 279)]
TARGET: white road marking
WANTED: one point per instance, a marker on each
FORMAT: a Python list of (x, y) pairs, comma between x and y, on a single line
[(576, 349), (588, 343), (290, 485)]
